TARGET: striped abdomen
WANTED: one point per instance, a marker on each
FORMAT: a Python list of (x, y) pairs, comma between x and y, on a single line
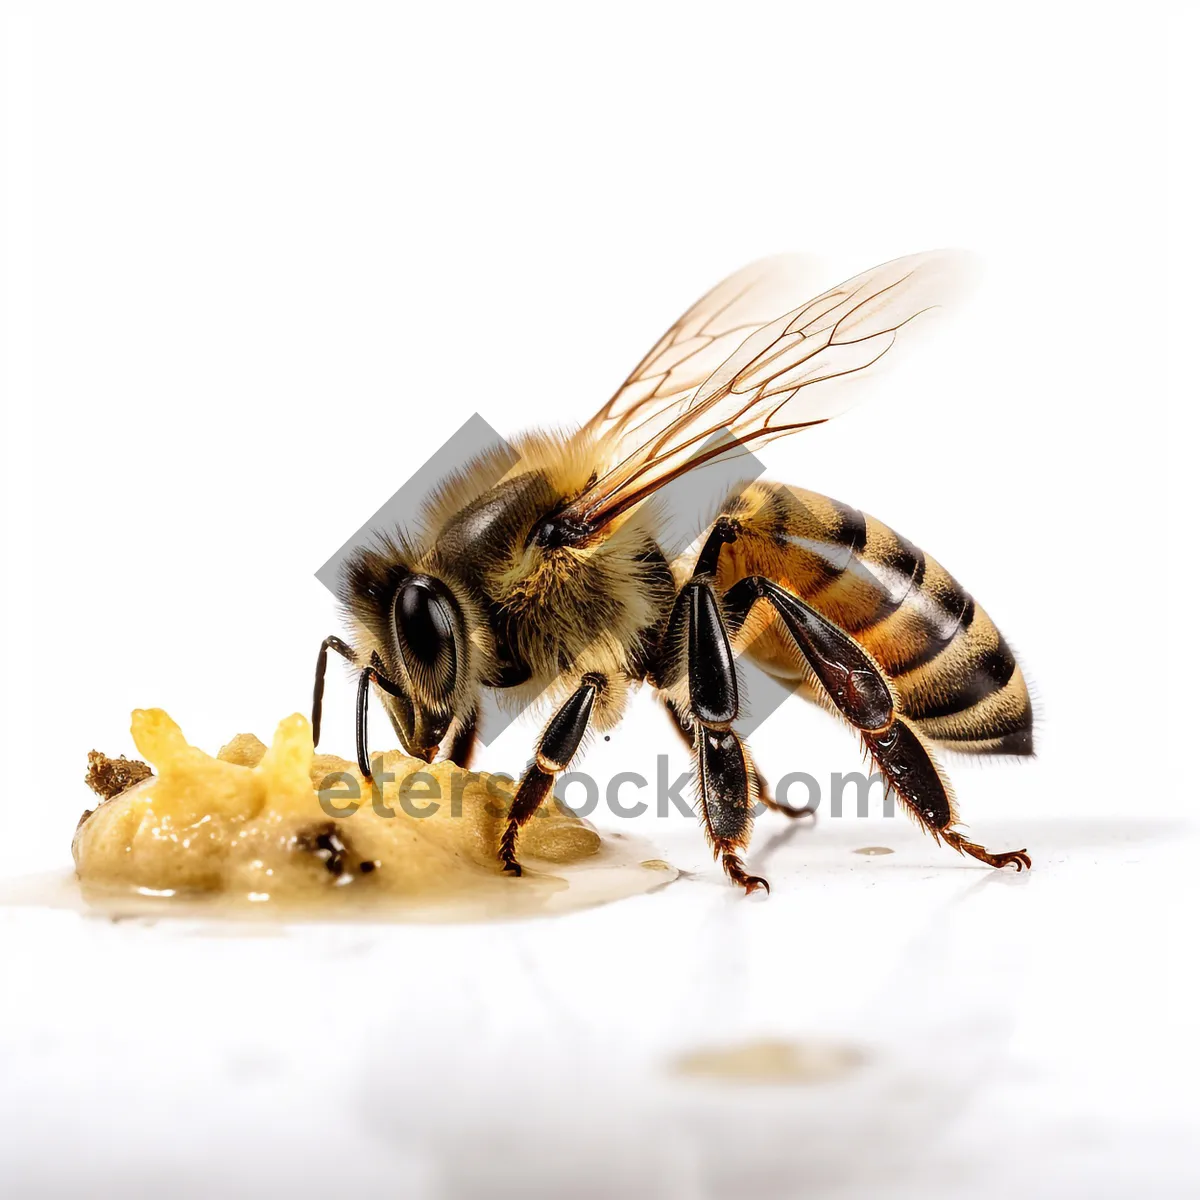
[(953, 671)]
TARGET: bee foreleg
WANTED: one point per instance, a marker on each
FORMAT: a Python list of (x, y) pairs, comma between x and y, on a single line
[(555, 750)]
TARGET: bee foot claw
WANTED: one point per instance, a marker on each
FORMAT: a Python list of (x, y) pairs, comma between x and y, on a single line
[(1015, 858)]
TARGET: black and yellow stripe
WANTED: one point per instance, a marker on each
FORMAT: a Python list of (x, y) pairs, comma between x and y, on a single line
[(954, 674)]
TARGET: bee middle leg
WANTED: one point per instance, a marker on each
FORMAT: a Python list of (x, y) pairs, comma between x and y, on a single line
[(686, 729), (727, 780)]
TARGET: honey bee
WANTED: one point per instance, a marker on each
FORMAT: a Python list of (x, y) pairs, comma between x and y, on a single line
[(554, 580)]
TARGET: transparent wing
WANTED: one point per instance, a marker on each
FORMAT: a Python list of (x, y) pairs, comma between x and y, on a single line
[(667, 379), (732, 374)]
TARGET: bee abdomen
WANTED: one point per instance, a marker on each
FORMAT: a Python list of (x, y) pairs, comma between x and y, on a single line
[(954, 674)]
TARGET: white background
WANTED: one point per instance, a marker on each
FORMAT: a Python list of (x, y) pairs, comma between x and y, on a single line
[(263, 259)]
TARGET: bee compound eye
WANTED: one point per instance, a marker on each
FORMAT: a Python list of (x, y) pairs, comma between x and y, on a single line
[(425, 619)]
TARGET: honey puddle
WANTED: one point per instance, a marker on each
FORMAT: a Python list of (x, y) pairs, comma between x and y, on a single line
[(872, 851), (282, 833), (770, 1061), (615, 872)]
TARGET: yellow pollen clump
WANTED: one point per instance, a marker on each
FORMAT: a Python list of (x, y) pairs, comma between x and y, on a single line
[(258, 827)]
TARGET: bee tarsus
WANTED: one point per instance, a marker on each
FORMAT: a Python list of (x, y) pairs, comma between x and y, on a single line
[(1007, 858)]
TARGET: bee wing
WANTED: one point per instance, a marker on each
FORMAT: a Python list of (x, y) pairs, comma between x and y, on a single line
[(667, 379), (731, 373)]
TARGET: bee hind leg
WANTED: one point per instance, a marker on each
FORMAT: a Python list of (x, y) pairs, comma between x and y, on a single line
[(860, 691), (905, 762)]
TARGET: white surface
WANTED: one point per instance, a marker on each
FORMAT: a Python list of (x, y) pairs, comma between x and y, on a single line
[(1031, 1035), (261, 257)]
